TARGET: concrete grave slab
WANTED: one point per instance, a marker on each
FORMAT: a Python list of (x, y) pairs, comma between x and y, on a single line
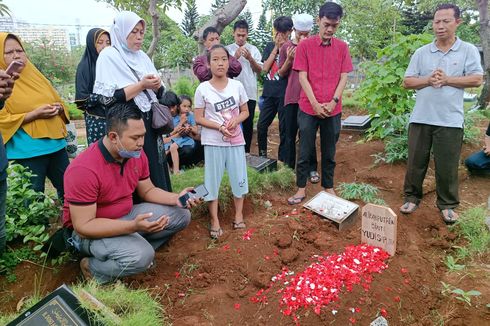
[(379, 227)]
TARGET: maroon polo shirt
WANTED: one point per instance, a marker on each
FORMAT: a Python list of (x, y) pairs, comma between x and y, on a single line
[(293, 89), (94, 177), (324, 64)]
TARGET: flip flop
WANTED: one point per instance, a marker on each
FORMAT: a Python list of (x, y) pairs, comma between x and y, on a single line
[(314, 177), (449, 216), (215, 234), (239, 225), (405, 209), (295, 200)]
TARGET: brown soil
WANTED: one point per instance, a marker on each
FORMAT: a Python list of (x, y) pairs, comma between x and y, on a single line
[(200, 281)]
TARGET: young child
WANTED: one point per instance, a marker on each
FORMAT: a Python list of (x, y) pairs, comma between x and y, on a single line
[(221, 105), (180, 137)]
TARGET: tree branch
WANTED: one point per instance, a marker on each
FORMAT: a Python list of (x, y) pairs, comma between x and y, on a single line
[(155, 28), (221, 18)]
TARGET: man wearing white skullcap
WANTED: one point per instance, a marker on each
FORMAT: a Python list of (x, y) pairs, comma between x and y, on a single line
[(302, 24)]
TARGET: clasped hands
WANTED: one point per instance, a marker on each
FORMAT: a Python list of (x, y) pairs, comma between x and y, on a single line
[(438, 78), (152, 82), (323, 110)]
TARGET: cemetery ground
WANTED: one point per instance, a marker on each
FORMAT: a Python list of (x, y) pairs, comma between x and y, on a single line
[(199, 281)]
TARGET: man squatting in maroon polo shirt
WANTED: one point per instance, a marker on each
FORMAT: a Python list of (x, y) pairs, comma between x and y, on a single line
[(118, 237), (323, 62)]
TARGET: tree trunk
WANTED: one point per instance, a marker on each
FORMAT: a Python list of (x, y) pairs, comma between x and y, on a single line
[(220, 19), (155, 28), (485, 44)]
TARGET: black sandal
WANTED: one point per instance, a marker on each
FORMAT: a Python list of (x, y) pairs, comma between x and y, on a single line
[(314, 177)]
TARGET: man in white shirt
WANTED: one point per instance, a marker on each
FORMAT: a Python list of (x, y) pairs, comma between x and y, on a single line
[(250, 58)]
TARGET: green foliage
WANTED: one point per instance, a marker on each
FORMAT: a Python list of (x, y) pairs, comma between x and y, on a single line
[(217, 4), (185, 86), (191, 17), (259, 184), (396, 150), (4, 10), (75, 114), (177, 52), (472, 133), (12, 257), (27, 211), (382, 94), (134, 307), (362, 191), (262, 33), (374, 33), (287, 8), (472, 229), (459, 294), (247, 16), (55, 62), (452, 264)]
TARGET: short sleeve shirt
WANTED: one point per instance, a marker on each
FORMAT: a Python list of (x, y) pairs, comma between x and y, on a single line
[(442, 106), (324, 65), (293, 90), (221, 106), (274, 85), (248, 77), (94, 177)]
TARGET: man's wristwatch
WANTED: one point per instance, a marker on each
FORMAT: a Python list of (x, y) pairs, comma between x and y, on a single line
[(336, 99)]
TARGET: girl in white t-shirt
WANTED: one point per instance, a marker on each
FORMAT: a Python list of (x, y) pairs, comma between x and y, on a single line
[(220, 108)]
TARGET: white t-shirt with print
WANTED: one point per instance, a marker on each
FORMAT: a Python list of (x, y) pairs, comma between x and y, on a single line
[(220, 106)]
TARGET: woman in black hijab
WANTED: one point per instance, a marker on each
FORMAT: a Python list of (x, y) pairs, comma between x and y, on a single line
[(97, 39)]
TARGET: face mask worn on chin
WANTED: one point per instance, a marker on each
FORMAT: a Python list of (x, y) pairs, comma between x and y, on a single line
[(124, 153)]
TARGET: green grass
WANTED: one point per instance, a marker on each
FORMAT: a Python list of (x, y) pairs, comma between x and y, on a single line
[(471, 228), (361, 191), (134, 307), (259, 184), (75, 114)]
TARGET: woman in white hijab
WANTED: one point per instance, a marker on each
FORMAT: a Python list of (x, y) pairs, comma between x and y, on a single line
[(124, 72)]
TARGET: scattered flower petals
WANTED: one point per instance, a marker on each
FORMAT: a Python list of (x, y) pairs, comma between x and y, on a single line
[(226, 247), (396, 299), (383, 312), (406, 281), (237, 306), (248, 234), (181, 295), (404, 271), (267, 257), (177, 274), (322, 282), (352, 320)]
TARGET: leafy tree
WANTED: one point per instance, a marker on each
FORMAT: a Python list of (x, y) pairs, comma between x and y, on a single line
[(4, 9), (415, 20), (287, 8), (369, 25), (247, 16), (262, 33), (55, 62), (191, 18)]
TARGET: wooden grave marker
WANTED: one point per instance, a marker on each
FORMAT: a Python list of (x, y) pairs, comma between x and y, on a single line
[(379, 227)]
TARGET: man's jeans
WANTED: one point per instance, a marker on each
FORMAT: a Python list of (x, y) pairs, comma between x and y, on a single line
[(111, 258), (478, 163)]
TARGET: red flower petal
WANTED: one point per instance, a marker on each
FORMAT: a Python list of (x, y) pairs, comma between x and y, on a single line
[(237, 306)]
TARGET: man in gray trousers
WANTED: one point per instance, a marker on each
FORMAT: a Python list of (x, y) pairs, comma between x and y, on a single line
[(119, 238)]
